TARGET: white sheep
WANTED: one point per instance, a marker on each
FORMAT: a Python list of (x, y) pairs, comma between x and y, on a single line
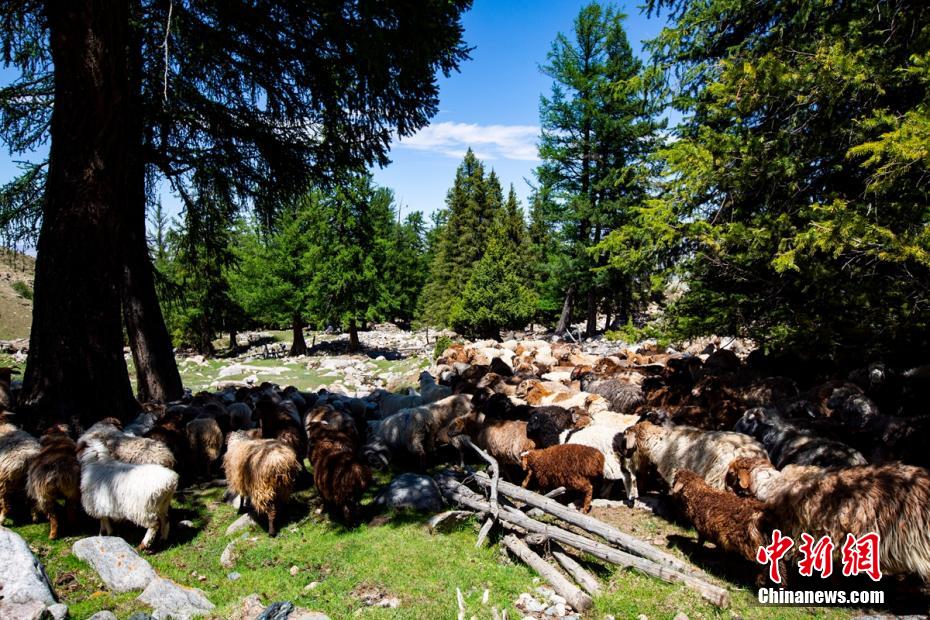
[(603, 437), (670, 448), (113, 490), (127, 448)]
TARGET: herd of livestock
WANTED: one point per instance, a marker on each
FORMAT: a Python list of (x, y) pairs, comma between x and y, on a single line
[(742, 446)]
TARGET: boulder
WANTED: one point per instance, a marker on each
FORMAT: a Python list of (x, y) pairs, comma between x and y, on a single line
[(252, 608), (106, 614), (411, 491), (25, 591), (244, 522), (117, 563), (170, 600)]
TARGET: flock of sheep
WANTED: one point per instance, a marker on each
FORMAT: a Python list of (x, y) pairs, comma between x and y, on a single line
[(738, 445)]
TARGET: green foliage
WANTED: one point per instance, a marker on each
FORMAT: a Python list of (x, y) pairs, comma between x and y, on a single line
[(442, 343), (598, 130), (631, 334), (796, 194), (22, 289)]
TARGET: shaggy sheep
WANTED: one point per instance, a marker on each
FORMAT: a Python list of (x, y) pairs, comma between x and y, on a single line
[(505, 440), (339, 475), (787, 444), (413, 431), (430, 391), (389, 403), (733, 524), (574, 467), (240, 416), (757, 477), (55, 474), (262, 472), (668, 449), (279, 423), (604, 438), (6, 392), (17, 450), (112, 490), (546, 423), (169, 430), (622, 397), (126, 448), (205, 444)]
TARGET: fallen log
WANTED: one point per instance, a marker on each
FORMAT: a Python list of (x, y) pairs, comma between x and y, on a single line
[(457, 492), (578, 572), (590, 524), (559, 582)]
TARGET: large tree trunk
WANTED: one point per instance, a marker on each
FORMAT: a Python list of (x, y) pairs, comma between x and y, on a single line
[(353, 337), (591, 327), (298, 343), (75, 370), (565, 320)]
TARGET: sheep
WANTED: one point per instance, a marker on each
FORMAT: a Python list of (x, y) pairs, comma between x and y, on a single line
[(112, 490), (430, 391), (6, 392), (622, 397), (389, 403), (604, 438), (505, 440), (277, 422), (545, 423), (787, 444), (572, 466), (55, 474), (734, 524), (668, 449), (145, 421), (17, 450), (169, 430), (262, 472), (891, 500), (126, 448), (413, 431), (339, 475), (205, 444), (757, 477), (240, 416)]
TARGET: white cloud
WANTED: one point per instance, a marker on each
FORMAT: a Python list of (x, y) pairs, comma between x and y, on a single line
[(488, 141)]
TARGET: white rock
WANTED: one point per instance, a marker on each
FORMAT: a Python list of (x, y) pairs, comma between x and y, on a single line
[(170, 600), (25, 587), (106, 614), (58, 611), (294, 570), (681, 616), (242, 523), (117, 563)]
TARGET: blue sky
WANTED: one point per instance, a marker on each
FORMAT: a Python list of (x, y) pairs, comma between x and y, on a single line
[(491, 105)]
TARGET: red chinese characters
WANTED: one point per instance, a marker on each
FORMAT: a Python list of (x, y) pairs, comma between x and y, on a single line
[(817, 556), (771, 554), (860, 555)]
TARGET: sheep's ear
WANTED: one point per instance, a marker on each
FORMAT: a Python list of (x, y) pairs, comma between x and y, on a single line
[(744, 478)]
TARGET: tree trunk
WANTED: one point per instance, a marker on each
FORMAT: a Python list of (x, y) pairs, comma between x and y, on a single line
[(75, 371), (591, 327), (298, 343), (353, 337), (233, 341), (565, 320)]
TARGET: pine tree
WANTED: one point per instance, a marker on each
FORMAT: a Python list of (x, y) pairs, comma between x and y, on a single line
[(597, 130), (472, 206)]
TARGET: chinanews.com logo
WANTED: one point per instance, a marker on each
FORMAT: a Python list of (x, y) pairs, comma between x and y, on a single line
[(859, 556)]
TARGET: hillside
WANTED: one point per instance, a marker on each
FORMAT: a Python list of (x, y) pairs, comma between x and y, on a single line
[(16, 270)]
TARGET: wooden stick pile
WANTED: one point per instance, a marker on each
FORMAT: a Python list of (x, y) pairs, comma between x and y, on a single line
[(618, 547)]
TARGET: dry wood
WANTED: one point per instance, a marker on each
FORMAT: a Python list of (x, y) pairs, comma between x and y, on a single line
[(484, 531), (590, 524), (578, 572), (459, 493), (559, 582)]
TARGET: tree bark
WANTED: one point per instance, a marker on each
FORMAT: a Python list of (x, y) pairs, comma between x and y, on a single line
[(591, 327), (75, 371), (565, 320), (233, 341), (298, 343), (353, 337)]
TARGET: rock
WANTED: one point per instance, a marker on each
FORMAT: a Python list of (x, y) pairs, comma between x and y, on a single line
[(527, 603), (25, 588), (234, 576), (186, 523), (242, 523), (642, 617), (117, 563), (294, 570), (558, 610), (251, 608), (411, 491), (311, 586), (545, 592), (555, 599), (58, 611), (229, 556), (680, 616), (106, 614), (170, 600)]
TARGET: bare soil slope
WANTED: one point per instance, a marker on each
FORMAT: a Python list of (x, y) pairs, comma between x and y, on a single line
[(15, 305)]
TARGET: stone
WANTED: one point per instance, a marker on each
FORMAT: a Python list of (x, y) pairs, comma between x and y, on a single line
[(680, 616), (24, 586), (244, 522), (252, 608), (58, 611), (311, 586), (527, 603), (413, 491), (106, 614), (234, 576), (294, 570), (230, 555), (117, 563), (170, 600), (558, 610), (186, 523)]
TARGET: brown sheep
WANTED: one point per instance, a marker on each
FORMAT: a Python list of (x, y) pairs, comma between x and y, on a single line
[(56, 474), (17, 449), (262, 472), (205, 442), (505, 440), (734, 524), (339, 474), (572, 466), (277, 423)]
